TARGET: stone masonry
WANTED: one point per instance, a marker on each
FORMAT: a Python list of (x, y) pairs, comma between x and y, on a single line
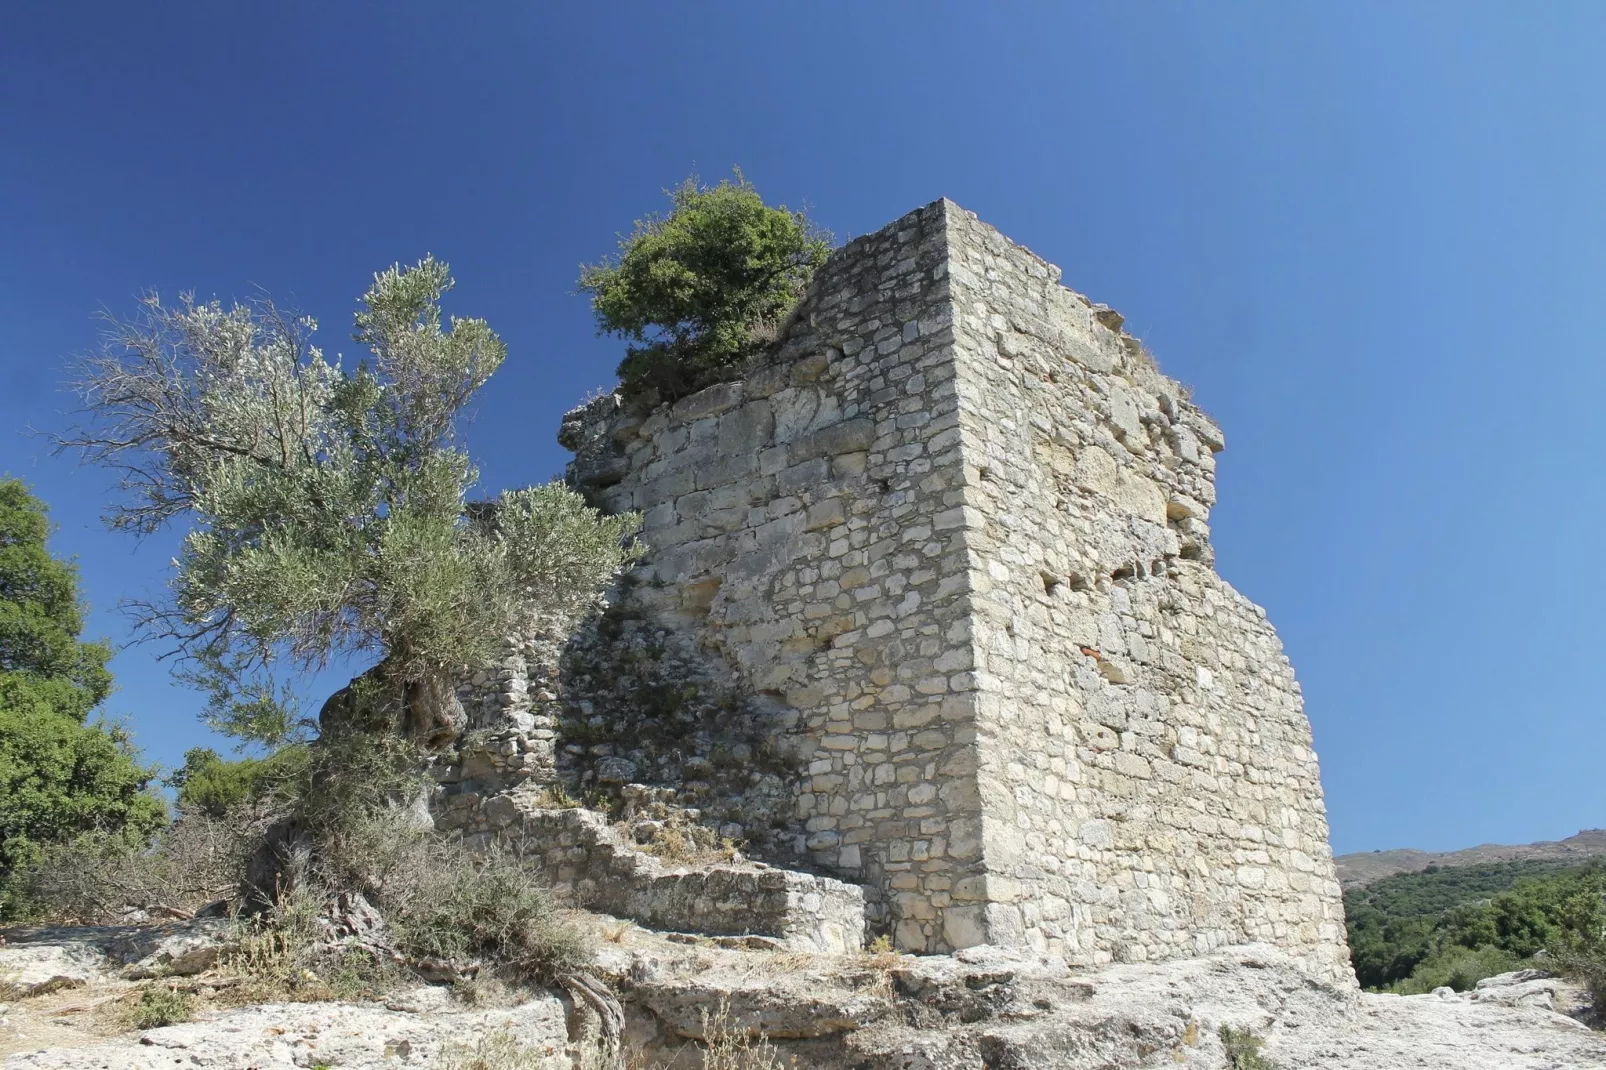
[(954, 531)]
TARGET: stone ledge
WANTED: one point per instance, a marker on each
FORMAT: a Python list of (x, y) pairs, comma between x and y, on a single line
[(588, 862)]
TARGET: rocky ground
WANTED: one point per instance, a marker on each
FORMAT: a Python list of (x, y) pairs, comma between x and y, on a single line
[(982, 1008)]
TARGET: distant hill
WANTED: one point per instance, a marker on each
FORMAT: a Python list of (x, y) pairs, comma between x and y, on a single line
[(1365, 867)]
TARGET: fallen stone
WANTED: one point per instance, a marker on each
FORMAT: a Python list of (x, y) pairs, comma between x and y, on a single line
[(172, 951), (33, 970)]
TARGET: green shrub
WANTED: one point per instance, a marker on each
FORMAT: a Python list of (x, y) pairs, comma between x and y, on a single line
[(699, 291), (1455, 925), (1243, 1049), (215, 786), (160, 1006), (1457, 967), (1588, 968)]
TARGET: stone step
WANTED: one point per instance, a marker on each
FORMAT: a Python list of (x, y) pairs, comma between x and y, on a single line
[(592, 865)]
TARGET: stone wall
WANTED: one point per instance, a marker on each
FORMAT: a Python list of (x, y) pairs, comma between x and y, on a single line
[(952, 538), (805, 525), (1145, 764)]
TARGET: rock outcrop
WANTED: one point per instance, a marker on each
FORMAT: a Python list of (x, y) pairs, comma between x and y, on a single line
[(983, 1008)]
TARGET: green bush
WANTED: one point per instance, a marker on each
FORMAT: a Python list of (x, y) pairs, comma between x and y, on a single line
[(699, 291), (1243, 1050), (1586, 966), (160, 1006), (1460, 968), (214, 786), (1456, 925)]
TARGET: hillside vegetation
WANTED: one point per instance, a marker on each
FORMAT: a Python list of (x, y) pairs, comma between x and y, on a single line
[(1453, 926)]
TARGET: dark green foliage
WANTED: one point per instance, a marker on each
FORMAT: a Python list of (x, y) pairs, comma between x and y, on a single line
[(1456, 925), (211, 785), (40, 615), (60, 774), (1459, 967), (699, 291)]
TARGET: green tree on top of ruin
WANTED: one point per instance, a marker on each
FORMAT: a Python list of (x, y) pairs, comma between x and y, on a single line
[(700, 290), (326, 505)]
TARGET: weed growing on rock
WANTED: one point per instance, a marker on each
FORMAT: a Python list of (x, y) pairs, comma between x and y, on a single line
[(498, 1050), (1243, 1049), (680, 841), (727, 1045), (160, 1006)]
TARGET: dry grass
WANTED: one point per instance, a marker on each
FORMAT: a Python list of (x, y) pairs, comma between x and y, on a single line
[(498, 1050), (681, 842), (99, 879), (727, 1045)]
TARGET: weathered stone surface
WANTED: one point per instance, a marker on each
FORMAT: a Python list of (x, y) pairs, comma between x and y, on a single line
[(984, 1006), (30, 970), (300, 1035), (990, 1006), (46, 957), (1160, 1015)]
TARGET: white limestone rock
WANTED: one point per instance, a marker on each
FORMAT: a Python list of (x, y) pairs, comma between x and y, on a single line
[(299, 1035)]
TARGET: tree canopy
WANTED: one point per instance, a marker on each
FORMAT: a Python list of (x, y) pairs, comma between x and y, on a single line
[(326, 504), (60, 774), (217, 787), (40, 614), (1413, 932), (698, 291)]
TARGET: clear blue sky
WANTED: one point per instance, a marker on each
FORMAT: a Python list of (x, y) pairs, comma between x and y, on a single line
[(1371, 236)]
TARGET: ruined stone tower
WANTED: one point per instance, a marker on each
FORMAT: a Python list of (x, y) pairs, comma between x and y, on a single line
[(954, 532)]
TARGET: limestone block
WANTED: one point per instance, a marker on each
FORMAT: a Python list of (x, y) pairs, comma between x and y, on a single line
[(710, 402)]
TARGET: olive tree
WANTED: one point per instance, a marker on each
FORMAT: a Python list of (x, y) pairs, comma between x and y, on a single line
[(327, 505), (700, 290)]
